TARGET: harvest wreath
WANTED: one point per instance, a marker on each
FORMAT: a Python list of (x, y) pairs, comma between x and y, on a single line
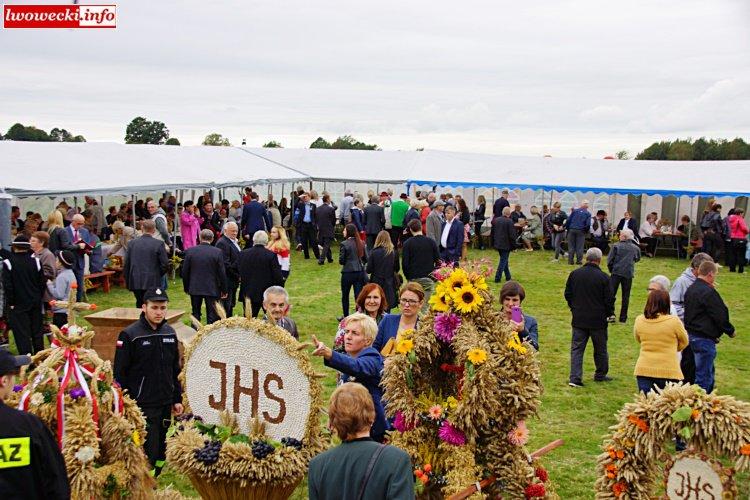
[(99, 429), (460, 389), (220, 459), (711, 425)]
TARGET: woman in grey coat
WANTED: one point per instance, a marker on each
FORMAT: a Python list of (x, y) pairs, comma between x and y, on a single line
[(621, 264)]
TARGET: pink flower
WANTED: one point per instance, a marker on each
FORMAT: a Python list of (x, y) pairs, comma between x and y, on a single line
[(400, 423), (520, 434), (451, 435), (446, 326)]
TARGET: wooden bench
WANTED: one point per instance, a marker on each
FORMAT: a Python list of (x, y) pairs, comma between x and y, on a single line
[(97, 280)]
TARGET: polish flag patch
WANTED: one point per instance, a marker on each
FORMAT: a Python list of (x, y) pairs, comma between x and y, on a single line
[(119, 343)]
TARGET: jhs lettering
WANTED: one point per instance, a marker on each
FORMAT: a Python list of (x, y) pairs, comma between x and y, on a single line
[(253, 392), (693, 488)]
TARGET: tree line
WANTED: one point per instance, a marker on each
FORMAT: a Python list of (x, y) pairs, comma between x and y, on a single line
[(20, 132), (699, 150)]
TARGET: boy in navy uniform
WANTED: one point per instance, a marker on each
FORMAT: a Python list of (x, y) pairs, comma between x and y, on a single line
[(147, 364), (31, 465)]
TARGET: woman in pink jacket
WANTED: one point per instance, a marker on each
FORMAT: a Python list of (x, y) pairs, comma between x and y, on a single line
[(190, 225), (738, 232)]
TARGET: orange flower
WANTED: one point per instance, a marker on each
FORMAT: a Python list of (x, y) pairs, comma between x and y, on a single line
[(612, 453), (620, 454), (695, 414), (639, 422), (619, 488), (745, 450)]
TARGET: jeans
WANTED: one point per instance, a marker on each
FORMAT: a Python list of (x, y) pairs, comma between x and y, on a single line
[(647, 384), (615, 281), (350, 279), (578, 347), (557, 239), (576, 237), (78, 273), (704, 352), (196, 302), (503, 266)]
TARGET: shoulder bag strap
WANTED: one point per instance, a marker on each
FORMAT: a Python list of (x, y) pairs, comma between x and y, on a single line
[(368, 472)]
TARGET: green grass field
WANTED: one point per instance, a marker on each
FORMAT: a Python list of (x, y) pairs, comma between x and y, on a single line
[(579, 416)]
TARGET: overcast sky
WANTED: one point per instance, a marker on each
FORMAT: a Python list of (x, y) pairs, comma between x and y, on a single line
[(567, 78)]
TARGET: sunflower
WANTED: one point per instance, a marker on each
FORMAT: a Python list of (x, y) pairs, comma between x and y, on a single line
[(480, 283), (467, 299), (404, 346), (456, 280), (440, 300), (476, 356)]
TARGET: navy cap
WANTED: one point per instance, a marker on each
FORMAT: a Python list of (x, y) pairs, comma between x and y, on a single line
[(155, 295), (10, 363)]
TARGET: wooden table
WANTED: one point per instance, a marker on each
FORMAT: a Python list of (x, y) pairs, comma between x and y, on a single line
[(108, 324)]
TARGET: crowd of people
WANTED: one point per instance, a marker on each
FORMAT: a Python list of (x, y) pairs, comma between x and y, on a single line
[(240, 252)]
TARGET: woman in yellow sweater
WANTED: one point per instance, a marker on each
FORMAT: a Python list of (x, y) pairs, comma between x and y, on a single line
[(661, 336)]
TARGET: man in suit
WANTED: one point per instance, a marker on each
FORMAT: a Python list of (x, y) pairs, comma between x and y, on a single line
[(374, 221), (259, 269), (204, 277), (434, 221), (325, 216), (146, 261), (80, 237), (451, 237), (307, 219), (230, 246), (504, 241), (254, 217)]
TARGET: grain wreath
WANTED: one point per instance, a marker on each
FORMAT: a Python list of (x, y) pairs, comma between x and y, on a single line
[(713, 427), (253, 403)]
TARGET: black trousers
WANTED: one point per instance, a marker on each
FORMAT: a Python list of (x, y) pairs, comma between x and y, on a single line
[(370, 241), (138, 297), (78, 273), (349, 279), (27, 328), (687, 365), (326, 243), (255, 307), (650, 245), (308, 238), (196, 301), (59, 319), (230, 302), (155, 446), (615, 281), (736, 255), (395, 233)]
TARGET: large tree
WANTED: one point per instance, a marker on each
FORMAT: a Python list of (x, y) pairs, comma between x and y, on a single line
[(143, 131), (216, 140)]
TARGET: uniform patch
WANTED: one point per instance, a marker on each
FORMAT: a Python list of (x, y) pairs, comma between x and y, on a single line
[(15, 452), (146, 342), (168, 340)]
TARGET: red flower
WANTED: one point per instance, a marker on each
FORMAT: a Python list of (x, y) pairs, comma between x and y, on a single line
[(541, 474), (535, 490), (619, 488)]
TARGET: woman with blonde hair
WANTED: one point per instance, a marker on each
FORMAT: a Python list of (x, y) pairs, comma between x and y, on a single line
[(278, 243), (383, 266), (58, 237)]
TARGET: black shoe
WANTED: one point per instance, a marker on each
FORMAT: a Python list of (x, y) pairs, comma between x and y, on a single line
[(604, 379), (575, 384), (320, 262), (330, 261), (497, 280), (623, 320)]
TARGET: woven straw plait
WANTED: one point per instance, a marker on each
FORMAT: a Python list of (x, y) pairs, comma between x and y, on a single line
[(250, 368)]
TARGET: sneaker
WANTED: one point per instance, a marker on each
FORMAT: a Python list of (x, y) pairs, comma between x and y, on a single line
[(299, 246), (575, 384), (604, 379)]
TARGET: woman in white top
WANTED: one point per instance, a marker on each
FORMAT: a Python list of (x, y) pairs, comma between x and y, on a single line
[(648, 233)]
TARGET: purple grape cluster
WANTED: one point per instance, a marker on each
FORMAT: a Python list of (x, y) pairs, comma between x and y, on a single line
[(209, 454), (261, 449), (290, 441)]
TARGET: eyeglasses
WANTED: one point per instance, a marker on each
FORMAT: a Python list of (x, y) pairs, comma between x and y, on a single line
[(408, 302)]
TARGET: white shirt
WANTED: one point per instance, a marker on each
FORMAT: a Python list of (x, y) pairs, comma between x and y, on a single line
[(446, 230), (647, 229)]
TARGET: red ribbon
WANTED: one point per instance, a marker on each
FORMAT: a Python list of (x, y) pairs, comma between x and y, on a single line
[(72, 371)]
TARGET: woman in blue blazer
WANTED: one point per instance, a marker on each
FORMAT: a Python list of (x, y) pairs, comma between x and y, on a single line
[(512, 295)]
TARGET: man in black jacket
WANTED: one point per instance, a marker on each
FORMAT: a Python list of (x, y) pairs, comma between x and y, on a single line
[(589, 296), (24, 285), (147, 363), (307, 224), (374, 221), (259, 269), (146, 261), (31, 465), (420, 256), (229, 245), (504, 241), (325, 217), (500, 204), (706, 319), (204, 277)]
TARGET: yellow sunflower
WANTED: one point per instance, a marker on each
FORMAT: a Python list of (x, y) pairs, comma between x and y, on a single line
[(480, 283), (440, 300), (136, 437), (456, 280), (467, 299), (476, 356), (404, 346)]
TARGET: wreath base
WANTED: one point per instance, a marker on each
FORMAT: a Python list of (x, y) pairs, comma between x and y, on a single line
[(228, 489)]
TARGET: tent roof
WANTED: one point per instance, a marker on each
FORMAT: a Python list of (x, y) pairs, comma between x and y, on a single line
[(46, 168)]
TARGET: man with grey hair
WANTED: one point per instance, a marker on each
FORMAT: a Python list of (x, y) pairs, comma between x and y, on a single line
[(276, 304), (259, 269), (204, 277), (230, 247), (345, 210), (434, 221), (621, 264), (160, 219), (589, 296)]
